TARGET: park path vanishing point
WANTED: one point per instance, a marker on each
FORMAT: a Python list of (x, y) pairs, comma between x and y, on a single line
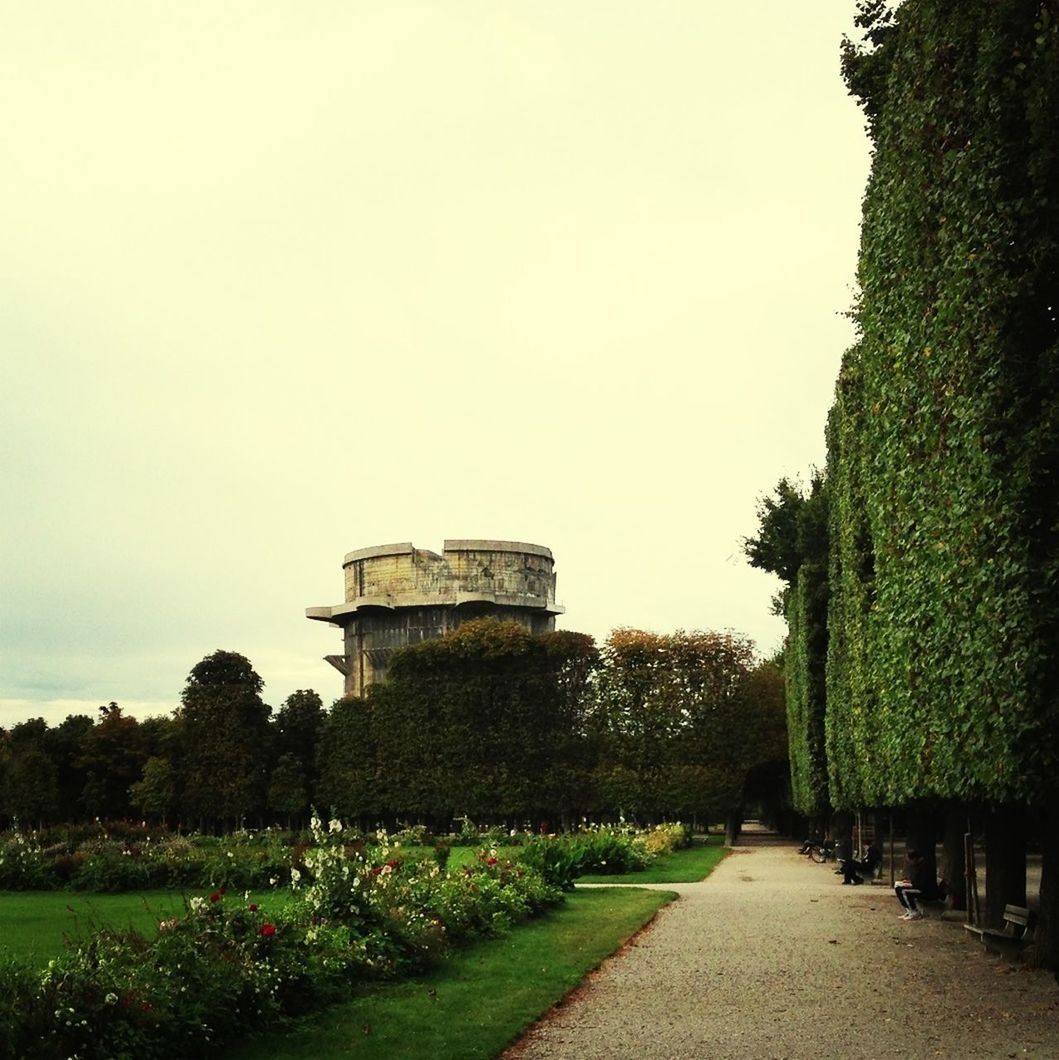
[(771, 956)]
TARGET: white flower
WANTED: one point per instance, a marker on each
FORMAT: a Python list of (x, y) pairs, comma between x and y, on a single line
[(111, 999), (295, 875), (334, 825), (197, 905)]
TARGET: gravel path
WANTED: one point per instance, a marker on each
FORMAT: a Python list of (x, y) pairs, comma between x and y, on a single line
[(772, 957)]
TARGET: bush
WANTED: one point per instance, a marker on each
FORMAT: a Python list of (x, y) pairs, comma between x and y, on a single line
[(23, 866), (560, 859), (227, 966)]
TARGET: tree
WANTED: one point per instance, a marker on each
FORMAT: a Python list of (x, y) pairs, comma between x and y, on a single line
[(287, 790), (31, 792), (226, 734), (112, 757), (296, 731), (347, 760), (63, 745), (155, 793), (683, 729), (943, 441), (793, 543), (488, 721)]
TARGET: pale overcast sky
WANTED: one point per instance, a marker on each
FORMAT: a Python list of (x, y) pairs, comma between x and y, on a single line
[(284, 279)]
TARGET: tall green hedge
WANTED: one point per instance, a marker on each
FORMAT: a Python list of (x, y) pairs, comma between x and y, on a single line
[(804, 673), (944, 438), (792, 542)]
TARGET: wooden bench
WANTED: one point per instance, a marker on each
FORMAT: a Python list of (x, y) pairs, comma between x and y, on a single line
[(1017, 934)]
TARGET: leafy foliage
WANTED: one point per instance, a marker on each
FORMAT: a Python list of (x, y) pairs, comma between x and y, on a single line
[(682, 723), (229, 966), (225, 727), (793, 542), (487, 721), (944, 437)]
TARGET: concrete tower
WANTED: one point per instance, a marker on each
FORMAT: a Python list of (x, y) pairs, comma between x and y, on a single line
[(398, 595)]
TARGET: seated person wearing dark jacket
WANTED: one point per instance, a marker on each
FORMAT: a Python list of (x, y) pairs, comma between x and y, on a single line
[(919, 882), (851, 868)]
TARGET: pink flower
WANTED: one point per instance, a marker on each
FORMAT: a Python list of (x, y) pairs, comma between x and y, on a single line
[(268, 930)]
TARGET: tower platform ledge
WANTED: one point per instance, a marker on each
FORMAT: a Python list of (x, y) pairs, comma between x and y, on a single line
[(392, 602)]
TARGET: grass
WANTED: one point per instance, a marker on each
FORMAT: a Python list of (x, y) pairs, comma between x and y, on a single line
[(34, 925), (481, 998), (682, 866)]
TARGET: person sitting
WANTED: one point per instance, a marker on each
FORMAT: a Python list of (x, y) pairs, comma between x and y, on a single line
[(919, 883), (869, 862)]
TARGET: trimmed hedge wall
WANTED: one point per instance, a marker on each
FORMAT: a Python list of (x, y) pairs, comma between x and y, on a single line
[(944, 438), (804, 671)]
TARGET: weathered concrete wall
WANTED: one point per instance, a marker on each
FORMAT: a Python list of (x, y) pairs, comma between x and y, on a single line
[(397, 595)]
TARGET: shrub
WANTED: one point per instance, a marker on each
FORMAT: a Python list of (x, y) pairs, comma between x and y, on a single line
[(23, 866), (228, 966)]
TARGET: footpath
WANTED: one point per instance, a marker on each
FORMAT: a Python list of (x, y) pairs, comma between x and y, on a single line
[(772, 957)]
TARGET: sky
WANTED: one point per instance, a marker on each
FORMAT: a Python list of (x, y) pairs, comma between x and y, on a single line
[(283, 280)]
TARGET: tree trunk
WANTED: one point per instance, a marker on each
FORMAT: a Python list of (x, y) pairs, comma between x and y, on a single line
[(1005, 862), (733, 826), (922, 835), (953, 862), (1046, 950), (842, 834)]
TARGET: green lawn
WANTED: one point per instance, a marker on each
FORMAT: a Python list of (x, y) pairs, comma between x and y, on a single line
[(481, 998), (683, 866), (34, 924)]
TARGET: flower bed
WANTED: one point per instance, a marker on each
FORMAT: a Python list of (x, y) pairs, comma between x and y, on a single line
[(228, 966), (601, 849), (107, 863), (127, 858)]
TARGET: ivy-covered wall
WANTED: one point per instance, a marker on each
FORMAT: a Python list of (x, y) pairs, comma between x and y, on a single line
[(944, 439)]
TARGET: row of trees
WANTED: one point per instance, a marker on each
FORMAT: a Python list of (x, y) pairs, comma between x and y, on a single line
[(488, 721), (500, 725), (220, 758), (921, 572)]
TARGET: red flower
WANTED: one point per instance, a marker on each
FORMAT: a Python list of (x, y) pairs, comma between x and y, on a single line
[(268, 930), (216, 896), (375, 871), (490, 861), (252, 907)]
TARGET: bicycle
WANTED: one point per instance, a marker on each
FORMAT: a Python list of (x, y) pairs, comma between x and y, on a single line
[(823, 852)]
